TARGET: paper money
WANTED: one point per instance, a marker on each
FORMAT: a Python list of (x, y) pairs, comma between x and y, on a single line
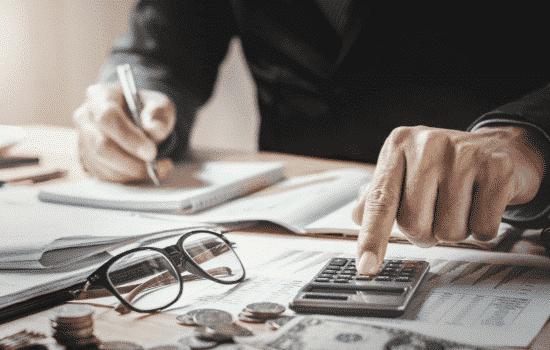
[(324, 332)]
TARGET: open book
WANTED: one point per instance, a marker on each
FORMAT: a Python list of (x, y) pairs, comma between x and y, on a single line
[(189, 188), (315, 204)]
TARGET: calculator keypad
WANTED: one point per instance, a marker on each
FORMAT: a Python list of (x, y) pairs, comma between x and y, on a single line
[(343, 271)]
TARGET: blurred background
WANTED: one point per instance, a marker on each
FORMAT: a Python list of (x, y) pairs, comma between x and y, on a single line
[(51, 50)]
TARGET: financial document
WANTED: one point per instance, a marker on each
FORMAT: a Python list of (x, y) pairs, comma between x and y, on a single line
[(481, 298)]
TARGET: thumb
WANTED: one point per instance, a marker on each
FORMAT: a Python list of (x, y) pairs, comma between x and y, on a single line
[(158, 115)]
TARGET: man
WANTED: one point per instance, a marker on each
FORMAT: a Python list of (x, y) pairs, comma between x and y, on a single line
[(347, 80)]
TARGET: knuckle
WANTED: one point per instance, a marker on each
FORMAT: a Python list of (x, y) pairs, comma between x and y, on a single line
[(483, 232), (449, 235), (400, 135), (502, 164), (381, 201), (107, 113)]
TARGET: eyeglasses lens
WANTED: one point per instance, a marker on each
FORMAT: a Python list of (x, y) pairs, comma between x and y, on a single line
[(146, 279), (214, 256)]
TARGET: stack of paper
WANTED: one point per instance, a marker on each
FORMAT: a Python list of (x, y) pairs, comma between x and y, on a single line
[(36, 235)]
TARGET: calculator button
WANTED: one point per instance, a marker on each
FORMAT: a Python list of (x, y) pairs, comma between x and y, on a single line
[(363, 278), (395, 266), (345, 277), (408, 270), (325, 275), (338, 261), (345, 272), (403, 279), (389, 269), (383, 278), (322, 280), (340, 280), (332, 269)]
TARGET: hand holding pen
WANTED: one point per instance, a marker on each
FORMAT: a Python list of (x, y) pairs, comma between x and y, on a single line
[(111, 146), (135, 106)]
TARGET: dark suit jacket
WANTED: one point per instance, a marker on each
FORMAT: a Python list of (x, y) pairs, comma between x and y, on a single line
[(326, 94)]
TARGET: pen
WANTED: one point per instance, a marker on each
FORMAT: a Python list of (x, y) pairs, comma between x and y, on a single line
[(12, 162), (36, 178), (135, 106)]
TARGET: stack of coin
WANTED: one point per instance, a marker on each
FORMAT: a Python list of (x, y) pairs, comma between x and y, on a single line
[(73, 326), (261, 312)]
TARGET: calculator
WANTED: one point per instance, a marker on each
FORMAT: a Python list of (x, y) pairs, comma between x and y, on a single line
[(338, 290)]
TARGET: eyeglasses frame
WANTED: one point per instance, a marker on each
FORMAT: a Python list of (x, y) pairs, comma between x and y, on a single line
[(177, 257)]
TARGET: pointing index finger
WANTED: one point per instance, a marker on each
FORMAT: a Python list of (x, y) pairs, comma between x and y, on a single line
[(380, 211)]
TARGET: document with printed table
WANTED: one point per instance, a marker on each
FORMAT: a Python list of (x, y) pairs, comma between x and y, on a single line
[(468, 296), (189, 188)]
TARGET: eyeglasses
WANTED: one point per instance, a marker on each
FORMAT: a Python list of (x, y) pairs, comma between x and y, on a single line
[(149, 279)]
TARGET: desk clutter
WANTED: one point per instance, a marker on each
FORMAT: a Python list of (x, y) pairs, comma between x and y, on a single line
[(215, 329)]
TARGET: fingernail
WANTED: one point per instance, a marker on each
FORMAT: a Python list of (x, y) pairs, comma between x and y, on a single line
[(368, 264), (147, 153)]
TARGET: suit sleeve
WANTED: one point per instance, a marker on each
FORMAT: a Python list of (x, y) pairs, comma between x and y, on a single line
[(531, 112), (175, 47)]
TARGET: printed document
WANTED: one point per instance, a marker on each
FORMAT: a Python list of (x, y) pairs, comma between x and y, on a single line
[(484, 298)]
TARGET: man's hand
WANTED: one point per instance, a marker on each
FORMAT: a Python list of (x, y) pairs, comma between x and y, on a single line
[(444, 185), (111, 147)]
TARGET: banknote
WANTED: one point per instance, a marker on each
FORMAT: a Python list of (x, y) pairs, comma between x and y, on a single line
[(325, 332)]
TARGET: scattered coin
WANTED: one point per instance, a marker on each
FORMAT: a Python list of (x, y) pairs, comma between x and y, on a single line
[(265, 309), (167, 347), (195, 343), (232, 330), (209, 334), (209, 317), (244, 318), (188, 318), (119, 345), (278, 322)]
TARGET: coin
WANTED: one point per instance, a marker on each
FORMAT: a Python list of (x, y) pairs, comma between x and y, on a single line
[(265, 309), (73, 342), (232, 329), (212, 317), (62, 327), (195, 343), (207, 333), (278, 322), (77, 333), (186, 320), (72, 312), (119, 345), (167, 347), (244, 318)]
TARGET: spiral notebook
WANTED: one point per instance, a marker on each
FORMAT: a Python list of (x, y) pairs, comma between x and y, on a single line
[(189, 188)]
